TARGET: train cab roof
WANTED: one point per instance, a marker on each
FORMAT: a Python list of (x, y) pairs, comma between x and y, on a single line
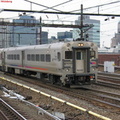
[(47, 46), (58, 45)]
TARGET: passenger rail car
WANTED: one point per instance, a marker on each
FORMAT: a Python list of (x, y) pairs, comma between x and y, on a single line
[(68, 63)]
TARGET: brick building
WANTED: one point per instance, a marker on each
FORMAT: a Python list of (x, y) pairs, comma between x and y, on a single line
[(109, 57)]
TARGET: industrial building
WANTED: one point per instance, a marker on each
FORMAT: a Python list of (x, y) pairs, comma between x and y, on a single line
[(116, 39), (22, 35), (93, 34)]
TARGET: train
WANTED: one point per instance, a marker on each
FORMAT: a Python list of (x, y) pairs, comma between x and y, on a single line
[(73, 63)]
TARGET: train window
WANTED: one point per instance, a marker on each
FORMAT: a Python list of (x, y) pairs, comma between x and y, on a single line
[(33, 57), (11, 57), (92, 54), (59, 56), (14, 57), (18, 57), (37, 57), (48, 58), (68, 54), (79, 56), (28, 57), (8, 56), (42, 57)]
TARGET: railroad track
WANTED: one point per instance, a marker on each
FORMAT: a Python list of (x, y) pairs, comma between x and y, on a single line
[(106, 98), (74, 114), (107, 84), (9, 113), (109, 80)]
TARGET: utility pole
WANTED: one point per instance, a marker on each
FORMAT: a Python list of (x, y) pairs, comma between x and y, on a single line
[(13, 42), (40, 31), (19, 38), (81, 24), (82, 28), (30, 5)]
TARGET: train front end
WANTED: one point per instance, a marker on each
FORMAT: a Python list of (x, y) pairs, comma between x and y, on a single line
[(80, 63)]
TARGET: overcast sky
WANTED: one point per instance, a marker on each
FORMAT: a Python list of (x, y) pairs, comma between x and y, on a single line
[(108, 28)]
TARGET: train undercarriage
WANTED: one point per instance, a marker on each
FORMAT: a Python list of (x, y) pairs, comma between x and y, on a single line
[(68, 80)]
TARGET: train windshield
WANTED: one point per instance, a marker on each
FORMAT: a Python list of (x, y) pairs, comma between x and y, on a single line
[(79, 55), (68, 54), (92, 54)]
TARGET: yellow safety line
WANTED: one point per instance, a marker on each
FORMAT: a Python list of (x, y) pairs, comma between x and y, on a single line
[(58, 99)]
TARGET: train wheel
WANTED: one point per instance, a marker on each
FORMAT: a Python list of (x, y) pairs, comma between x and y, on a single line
[(52, 79), (12, 71), (8, 70), (67, 85), (27, 73), (61, 84)]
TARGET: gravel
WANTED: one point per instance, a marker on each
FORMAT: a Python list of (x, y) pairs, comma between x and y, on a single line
[(42, 101)]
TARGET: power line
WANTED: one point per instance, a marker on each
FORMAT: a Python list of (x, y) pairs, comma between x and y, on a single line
[(96, 6), (46, 6), (63, 13), (59, 4), (43, 5)]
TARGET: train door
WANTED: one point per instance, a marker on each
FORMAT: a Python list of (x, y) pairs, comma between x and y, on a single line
[(23, 58), (3, 61), (81, 61)]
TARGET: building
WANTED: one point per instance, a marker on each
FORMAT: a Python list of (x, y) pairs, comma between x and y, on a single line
[(109, 54), (93, 34), (5, 35), (107, 50), (64, 35), (53, 39), (42, 38), (116, 39), (24, 35), (109, 57)]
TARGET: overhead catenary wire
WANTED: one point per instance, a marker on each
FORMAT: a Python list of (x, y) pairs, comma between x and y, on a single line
[(43, 5), (63, 3), (68, 17), (59, 4), (97, 6)]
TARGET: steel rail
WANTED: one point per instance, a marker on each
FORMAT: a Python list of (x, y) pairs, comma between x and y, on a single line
[(109, 78), (60, 100), (100, 91), (18, 115), (107, 84)]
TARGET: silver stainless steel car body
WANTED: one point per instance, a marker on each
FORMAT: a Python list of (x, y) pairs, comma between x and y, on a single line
[(68, 63)]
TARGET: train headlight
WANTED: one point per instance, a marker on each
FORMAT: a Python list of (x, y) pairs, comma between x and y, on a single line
[(67, 70), (80, 44)]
